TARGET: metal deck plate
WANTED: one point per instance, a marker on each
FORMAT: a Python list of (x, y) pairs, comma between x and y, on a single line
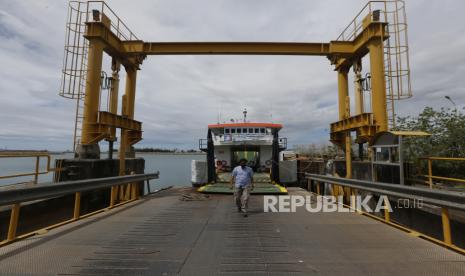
[(260, 188), (163, 235)]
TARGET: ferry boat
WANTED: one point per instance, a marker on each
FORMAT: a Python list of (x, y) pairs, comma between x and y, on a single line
[(228, 143)]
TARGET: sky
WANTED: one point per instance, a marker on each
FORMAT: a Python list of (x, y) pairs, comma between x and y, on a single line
[(178, 96)]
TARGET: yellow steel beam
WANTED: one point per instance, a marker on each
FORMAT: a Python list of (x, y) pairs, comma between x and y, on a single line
[(98, 30), (361, 123), (343, 53), (117, 121), (352, 123), (226, 48), (123, 49), (107, 121)]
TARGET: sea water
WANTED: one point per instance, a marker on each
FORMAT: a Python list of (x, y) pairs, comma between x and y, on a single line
[(174, 168)]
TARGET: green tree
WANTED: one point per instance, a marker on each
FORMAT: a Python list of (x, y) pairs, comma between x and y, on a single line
[(447, 129)]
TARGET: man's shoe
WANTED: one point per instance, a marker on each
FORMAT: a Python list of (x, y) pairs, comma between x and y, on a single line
[(245, 215)]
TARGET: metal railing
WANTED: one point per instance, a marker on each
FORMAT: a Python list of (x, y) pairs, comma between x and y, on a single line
[(432, 177), (203, 144), (440, 198), (37, 156), (16, 197)]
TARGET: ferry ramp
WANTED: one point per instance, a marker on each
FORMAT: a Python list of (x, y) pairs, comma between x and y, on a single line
[(164, 235), (262, 185)]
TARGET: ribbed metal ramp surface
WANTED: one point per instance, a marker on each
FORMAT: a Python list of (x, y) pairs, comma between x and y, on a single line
[(263, 185), (260, 188), (162, 235)]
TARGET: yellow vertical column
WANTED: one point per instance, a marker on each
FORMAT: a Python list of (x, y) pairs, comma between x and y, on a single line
[(358, 94), (92, 96), (358, 91), (343, 91), (130, 91), (128, 111), (114, 92), (378, 84), (344, 112)]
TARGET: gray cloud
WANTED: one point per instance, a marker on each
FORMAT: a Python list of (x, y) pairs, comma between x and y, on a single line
[(177, 96)]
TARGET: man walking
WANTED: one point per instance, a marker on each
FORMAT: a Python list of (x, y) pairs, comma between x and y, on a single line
[(242, 181)]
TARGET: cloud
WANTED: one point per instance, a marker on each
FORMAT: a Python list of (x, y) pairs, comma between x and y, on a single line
[(177, 96)]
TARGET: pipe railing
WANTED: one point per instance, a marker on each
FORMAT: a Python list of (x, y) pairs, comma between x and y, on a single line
[(440, 198), (15, 197), (431, 177), (37, 155)]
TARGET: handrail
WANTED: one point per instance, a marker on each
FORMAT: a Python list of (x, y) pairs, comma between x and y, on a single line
[(430, 175), (42, 191), (26, 154), (440, 198), (127, 185)]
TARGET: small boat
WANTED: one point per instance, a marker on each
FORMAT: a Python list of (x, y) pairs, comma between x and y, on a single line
[(228, 143)]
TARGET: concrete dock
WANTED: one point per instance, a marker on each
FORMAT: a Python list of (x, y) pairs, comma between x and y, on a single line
[(163, 235)]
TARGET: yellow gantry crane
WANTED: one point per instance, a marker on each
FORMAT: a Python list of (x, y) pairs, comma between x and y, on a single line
[(379, 32)]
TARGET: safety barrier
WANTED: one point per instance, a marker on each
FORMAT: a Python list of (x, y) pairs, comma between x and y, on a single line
[(431, 177), (32, 154), (17, 196), (440, 198)]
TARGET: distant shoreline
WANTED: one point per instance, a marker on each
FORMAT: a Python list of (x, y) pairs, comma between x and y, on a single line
[(170, 153), (106, 152)]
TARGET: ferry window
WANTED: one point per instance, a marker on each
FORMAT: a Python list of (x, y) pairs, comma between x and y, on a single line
[(244, 130), (227, 130), (233, 130), (268, 130), (257, 130), (250, 130), (239, 130), (262, 130)]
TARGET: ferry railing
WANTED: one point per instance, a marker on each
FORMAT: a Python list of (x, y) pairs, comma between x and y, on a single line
[(15, 197), (441, 198), (203, 144), (282, 143), (37, 156)]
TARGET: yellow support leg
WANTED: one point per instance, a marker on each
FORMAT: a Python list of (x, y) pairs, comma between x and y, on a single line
[(36, 175), (14, 217), (77, 205), (430, 173), (127, 192), (387, 215), (113, 194), (446, 226), (121, 192)]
